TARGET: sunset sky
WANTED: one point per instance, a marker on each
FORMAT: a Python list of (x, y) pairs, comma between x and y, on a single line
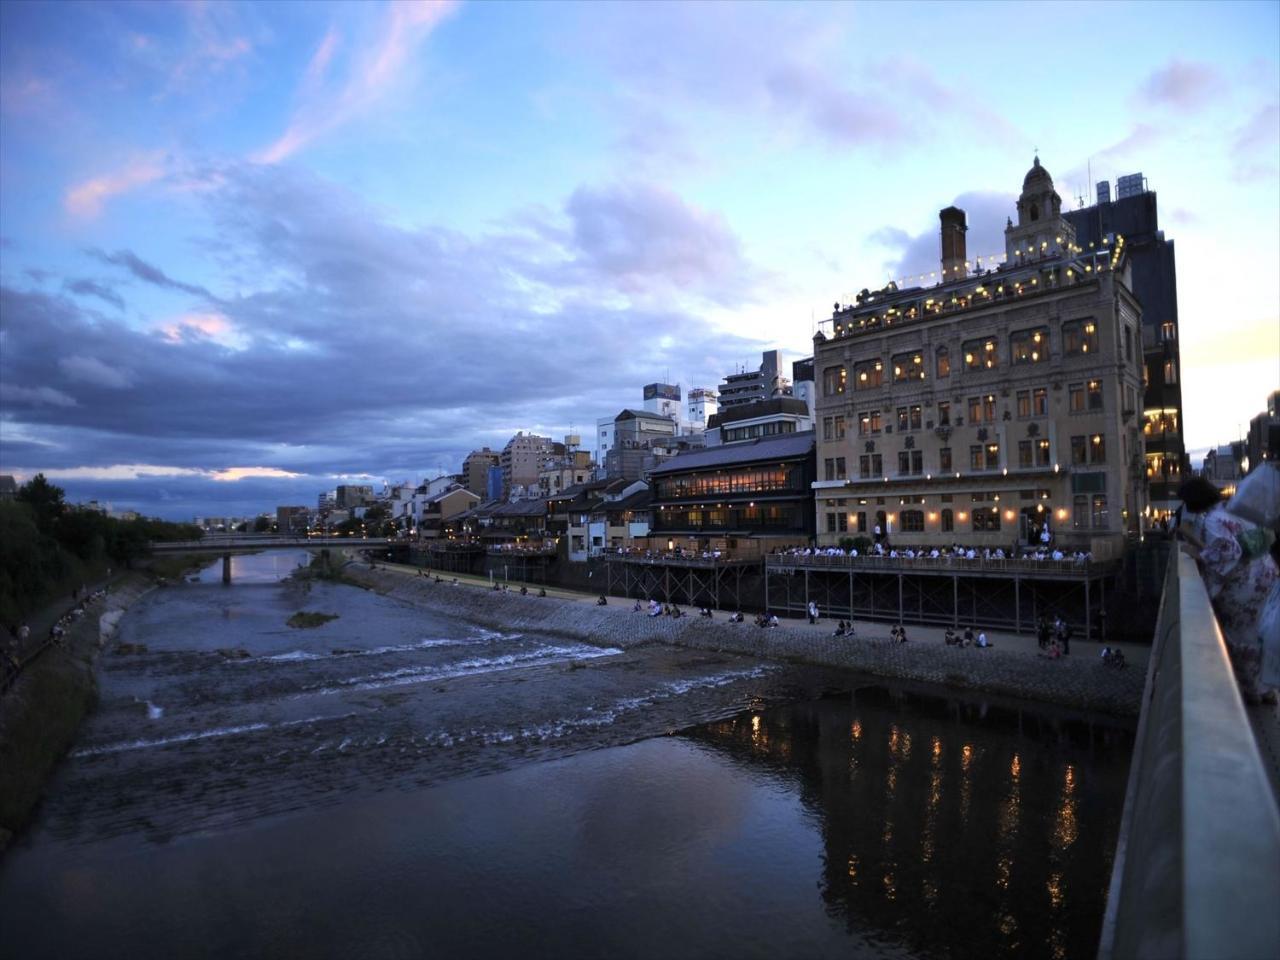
[(249, 249)]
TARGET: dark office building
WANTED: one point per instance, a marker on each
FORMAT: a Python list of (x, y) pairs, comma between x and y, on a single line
[(1132, 214)]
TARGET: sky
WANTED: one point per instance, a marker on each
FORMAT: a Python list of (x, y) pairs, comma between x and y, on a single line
[(249, 251)]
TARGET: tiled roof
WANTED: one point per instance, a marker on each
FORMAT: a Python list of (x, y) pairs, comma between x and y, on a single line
[(784, 447)]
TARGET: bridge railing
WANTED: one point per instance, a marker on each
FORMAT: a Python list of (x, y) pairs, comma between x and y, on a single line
[(1197, 864)]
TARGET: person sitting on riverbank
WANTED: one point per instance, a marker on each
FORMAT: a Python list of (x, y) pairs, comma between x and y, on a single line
[(496, 588), (967, 639), (655, 608), (736, 617), (844, 629), (773, 620), (524, 591), (706, 612), (1054, 652), (636, 608), (982, 640), (542, 591), (950, 638), (602, 602)]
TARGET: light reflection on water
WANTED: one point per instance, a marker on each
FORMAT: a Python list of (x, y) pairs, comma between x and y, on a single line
[(996, 841)]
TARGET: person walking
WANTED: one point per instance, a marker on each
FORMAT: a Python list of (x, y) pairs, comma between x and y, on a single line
[(813, 612)]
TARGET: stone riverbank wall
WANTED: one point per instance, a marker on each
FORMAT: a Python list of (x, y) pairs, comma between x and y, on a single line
[(41, 713), (1079, 682)]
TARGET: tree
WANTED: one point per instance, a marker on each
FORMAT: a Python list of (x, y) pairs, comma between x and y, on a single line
[(261, 525), (45, 499)]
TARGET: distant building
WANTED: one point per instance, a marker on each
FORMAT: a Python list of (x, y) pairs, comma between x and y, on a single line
[(493, 484), (353, 495), (1264, 433), (664, 400), (8, 487), (521, 459), (1154, 281), (636, 433), (559, 472), (1224, 465), (475, 468), (762, 418), (702, 406), (748, 386), (292, 521)]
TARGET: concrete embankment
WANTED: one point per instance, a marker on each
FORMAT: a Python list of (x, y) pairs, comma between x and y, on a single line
[(1080, 682), (41, 713)]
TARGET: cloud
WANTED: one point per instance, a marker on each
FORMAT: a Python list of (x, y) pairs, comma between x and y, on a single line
[(91, 288), (838, 113), (916, 256), (1257, 144), (146, 272), (215, 327), (642, 233), (1181, 84), (93, 371), (371, 77), (86, 199), (15, 395), (375, 348)]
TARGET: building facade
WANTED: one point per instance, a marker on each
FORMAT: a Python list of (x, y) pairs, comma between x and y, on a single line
[(1133, 215), (763, 418), (635, 435), (475, 469), (521, 460), (981, 409), (741, 499)]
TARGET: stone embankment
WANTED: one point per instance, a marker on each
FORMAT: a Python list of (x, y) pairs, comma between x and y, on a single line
[(41, 713), (1080, 682)]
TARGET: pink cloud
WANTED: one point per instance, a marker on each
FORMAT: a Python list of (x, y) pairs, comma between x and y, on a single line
[(407, 25), (86, 199), (194, 327)]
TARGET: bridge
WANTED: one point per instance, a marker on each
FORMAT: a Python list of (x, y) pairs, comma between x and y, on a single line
[(227, 545), (1197, 863)]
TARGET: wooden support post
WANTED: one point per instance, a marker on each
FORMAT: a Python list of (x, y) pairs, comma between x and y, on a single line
[(226, 568), (955, 600), (900, 609), (1017, 604), (1088, 618)]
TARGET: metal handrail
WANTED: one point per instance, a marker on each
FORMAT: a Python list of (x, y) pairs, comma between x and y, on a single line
[(1197, 865)]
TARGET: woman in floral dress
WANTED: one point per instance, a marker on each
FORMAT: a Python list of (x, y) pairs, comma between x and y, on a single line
[(1238, 573)]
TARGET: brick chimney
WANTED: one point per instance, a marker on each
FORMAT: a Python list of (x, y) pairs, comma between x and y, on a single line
[(953, 253)]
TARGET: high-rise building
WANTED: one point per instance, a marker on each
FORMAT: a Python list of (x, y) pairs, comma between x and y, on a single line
[(475, 469), (992, 404), (664, 399), (703, 405), (1264, 433), (1133, 215), (748, 386), (353, 495), (521, 459)]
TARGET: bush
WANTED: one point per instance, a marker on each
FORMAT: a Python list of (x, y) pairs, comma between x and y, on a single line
[(862, 544)]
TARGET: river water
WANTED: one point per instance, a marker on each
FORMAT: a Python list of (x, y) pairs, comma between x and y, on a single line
[(397, 784)]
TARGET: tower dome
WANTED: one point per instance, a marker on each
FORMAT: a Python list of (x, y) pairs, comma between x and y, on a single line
[(1036, 174)]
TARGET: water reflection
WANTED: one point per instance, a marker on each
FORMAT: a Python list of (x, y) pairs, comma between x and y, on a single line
[(995, 840)]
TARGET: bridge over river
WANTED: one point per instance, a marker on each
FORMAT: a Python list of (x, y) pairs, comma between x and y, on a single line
[(227, 545)]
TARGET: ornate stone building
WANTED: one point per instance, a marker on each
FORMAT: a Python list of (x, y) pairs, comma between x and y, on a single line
[(1000, 400)]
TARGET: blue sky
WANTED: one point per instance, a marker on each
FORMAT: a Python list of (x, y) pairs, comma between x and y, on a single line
[(246, 249)]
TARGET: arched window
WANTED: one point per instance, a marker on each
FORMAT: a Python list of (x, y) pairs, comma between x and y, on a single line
[(1035, 211), (943, 364)]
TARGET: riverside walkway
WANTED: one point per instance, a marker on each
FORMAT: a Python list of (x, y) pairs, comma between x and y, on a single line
[(1012, 667)]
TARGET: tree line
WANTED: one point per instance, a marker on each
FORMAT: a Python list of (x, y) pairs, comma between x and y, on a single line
[(48, 545)]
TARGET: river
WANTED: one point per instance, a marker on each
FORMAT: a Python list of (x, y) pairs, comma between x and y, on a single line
[(396, 784)]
